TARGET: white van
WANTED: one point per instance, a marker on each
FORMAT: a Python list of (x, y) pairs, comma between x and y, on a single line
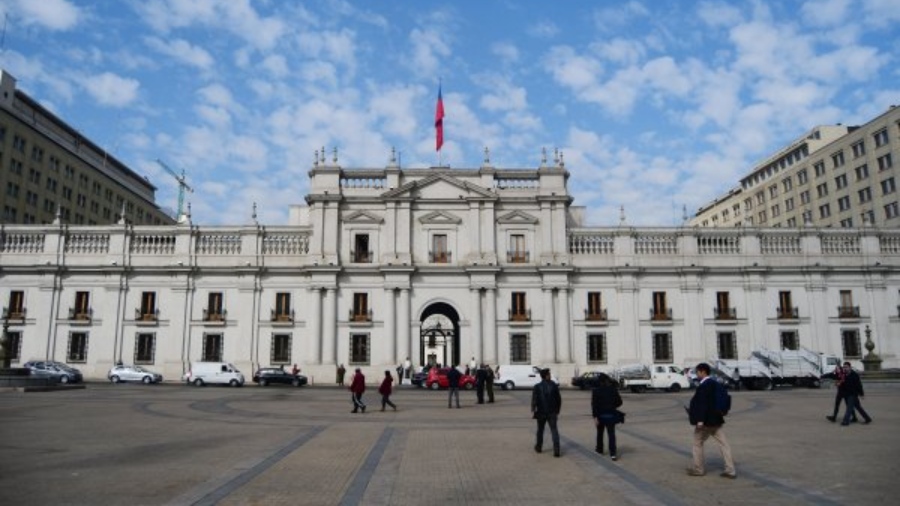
[(508, 377), (222, 373)]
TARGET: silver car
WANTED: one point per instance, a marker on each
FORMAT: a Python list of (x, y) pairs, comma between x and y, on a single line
[(56, 371), (120, 373)]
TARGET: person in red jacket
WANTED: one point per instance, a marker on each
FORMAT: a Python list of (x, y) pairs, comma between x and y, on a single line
[(357, 387), (385, 391)]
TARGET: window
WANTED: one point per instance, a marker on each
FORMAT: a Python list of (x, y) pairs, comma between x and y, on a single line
[(862, 172), (724, 311), (439, 253), (519, 310), (890, 211), (517, 251), (15, 345), (773, 191), (82, 309), (789, 340), (804, 197), (819, 167), (596, 348), (867, 216), (283, 312), (838, 159), (850, 344), (847, 223), (841, 181), (519, 349), (361, 253), (727, 342), (865, 195), (885, 162), (281, 349), (16, 306), (78, 347), (748, 205), (148, 310), (881, 137), (662, 347), (847, 309), (787, 184), (844, 203), (214, 307), (802, 177), (888, 186), (822, 190), (595, 309), (212, 347), (660, 311), (776, 211), (824, 211), (361, 311), (760, 198), (859, 149), (145, 348), (785, 308), (359, 349), (762, 216), (789, 204), (792, 222)]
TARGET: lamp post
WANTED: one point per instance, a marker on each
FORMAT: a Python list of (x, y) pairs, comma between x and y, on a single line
[(4, 344)]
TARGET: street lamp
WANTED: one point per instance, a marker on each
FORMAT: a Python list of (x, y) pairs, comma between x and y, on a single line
[(4, 344)]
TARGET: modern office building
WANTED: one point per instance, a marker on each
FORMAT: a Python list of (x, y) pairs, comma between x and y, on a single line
[(833, 176), (441, 265), (49, 170)]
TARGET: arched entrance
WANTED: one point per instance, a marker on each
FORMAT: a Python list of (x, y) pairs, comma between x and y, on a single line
[(439, 335)]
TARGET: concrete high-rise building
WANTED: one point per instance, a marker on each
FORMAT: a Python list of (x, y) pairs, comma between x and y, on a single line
[(47, 168), (833, 176)]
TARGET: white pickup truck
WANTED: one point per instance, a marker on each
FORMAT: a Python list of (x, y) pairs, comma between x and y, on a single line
[(640, 378)]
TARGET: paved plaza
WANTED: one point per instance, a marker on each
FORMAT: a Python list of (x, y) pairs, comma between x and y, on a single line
[(174, 444)]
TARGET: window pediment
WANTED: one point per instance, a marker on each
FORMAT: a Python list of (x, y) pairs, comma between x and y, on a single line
[(440, 218), (362, 217), (517, 217)]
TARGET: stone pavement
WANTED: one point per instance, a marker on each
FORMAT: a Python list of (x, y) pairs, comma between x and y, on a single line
[(174, 444)]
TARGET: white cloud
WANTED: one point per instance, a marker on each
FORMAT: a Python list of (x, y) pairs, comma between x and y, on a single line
[(506, 51), (276, 65), (825, 12), (51, 14), (719, 14), (235, 16), (544, 29), (429, 49), (182, 51), (112, 90)]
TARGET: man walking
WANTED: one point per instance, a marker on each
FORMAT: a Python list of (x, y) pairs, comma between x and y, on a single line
[(453, 377), (853, 390), (489, 383), (357, 387), (707, 422), (480, 379), (838, 376), (545, 406)]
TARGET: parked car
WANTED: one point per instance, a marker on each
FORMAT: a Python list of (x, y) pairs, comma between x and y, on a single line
[(418, 378), (508, 377), (275, 375), (437, 378), (120, 373), (57, 371), (221, 373), (587, 380)]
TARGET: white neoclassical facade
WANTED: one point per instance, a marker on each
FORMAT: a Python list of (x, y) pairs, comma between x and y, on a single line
[(441, 265)]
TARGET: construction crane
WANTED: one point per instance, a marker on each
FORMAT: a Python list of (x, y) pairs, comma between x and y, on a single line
[(182, 186)]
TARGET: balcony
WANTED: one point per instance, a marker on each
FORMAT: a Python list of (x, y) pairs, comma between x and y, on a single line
[(725, 313), (517, 257), (215, 315), (14, 315), (360, 316), (595, 315), (282, 317), (146, 316), (520, 315), (660, 314), (848, 311), (361, 257), (787, 313), (81, 315), (440, 257)]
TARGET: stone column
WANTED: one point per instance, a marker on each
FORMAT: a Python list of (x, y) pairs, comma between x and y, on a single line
[(477, 339), (563, 337), (315, 328), (391, 336), (549, 339), (329, 321), (403, 327), (490, 326)]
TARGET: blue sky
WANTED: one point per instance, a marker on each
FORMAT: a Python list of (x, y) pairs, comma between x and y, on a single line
[(655, 104)]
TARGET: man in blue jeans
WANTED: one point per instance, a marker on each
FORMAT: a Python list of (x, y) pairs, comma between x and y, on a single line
[(545, 406), (453, 377), (853, 390)]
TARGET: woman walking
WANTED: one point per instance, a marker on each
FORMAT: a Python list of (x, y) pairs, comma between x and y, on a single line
[(385, 391), (605, 399)]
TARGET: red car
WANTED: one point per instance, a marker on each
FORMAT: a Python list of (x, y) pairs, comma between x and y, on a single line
[(437, 378)]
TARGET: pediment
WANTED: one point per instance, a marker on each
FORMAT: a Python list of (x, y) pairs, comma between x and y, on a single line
[(440, 218), (517, 217), (439, 187), (363, 217)]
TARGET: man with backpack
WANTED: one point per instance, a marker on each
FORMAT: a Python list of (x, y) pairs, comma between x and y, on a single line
[(708, 408)]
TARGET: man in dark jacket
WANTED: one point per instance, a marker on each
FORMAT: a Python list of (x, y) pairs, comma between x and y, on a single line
[(357, 388), (707, 423), (853, 390), (545, 405), (480, 379), (605, 400), (453, 377)]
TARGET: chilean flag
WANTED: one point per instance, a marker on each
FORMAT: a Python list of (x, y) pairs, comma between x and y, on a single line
[(439, 121)]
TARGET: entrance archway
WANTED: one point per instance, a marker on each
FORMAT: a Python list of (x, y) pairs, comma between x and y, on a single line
[(439, 335)]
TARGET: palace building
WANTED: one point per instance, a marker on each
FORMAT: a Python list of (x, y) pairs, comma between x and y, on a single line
[(441, 265)]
